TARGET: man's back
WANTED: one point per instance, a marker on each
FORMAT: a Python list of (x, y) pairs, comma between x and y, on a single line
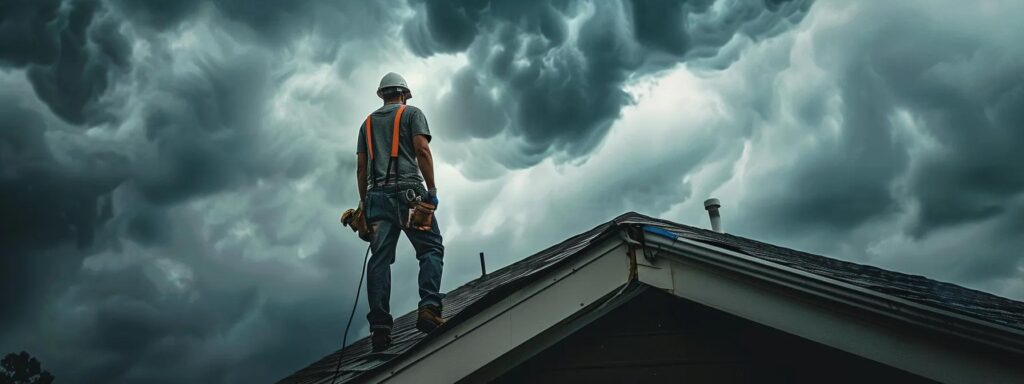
[(382, 125)]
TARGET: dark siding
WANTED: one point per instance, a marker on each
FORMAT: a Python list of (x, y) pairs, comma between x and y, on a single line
[(658, 338)]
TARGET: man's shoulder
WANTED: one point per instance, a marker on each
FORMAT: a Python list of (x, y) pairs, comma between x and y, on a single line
[(414, 116), (412, 109)]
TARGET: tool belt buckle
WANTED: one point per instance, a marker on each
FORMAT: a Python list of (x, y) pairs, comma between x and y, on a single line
[(410, 196)]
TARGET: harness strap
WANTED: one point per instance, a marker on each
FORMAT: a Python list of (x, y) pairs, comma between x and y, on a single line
[(394, 143), (394, 134), (369, 137)]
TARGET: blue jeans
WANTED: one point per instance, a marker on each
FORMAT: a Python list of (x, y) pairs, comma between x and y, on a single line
[(386, 212)]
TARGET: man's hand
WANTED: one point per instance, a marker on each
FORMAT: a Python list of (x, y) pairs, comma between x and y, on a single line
[(432, 197)]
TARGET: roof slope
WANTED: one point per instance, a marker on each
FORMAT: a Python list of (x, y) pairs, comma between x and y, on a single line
[(357, 357), (464, 301)]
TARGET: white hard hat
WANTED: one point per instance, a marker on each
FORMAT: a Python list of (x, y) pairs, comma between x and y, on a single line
[(394, 80)]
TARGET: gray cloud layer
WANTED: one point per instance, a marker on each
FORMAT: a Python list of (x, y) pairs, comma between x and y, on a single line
[(556, 89), (173, 189), (930, 124)]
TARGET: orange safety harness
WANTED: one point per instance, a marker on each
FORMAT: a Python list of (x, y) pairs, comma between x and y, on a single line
[(394, 145)]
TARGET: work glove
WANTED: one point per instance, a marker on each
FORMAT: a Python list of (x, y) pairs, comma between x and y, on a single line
[(432, 197)]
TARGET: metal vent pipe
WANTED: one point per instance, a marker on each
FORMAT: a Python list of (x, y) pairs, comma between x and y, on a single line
[(712, 205)]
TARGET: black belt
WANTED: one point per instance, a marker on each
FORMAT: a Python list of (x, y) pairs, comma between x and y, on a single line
[(400, 188)]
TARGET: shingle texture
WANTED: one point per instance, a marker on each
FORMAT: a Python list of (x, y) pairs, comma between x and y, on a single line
[(463, 302)]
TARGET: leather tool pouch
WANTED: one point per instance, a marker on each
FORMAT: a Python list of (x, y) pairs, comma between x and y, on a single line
[(356, 219), (421, 216)]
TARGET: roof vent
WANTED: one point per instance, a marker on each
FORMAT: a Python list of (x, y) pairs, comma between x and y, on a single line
[(712, 205)]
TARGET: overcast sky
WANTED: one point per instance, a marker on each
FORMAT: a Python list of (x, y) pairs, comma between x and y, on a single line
[(172, 172)]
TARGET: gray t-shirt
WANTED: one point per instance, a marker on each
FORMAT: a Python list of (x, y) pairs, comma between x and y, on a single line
[(383, 120)]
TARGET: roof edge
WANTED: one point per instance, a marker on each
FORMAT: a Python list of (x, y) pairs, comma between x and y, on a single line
[(612, 228), (953, 323)]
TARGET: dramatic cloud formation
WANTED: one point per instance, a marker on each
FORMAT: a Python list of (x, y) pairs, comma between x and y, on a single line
[(918, 128), (549, 76), (171, 171)]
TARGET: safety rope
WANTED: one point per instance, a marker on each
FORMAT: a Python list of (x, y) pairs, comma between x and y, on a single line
[(387, 177), (351, 314)]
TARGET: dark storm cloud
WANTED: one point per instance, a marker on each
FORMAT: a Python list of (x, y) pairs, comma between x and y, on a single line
[(47, 204), (129, 289), (71, 50), (132, 322), (75, 49), (975, 112), (203, 129), (905, 147), (28, 18), (965, 91), (166, 216), (274, 22), (155, 13), (558, 95), (848, 179), (92, 50), (107, 272)]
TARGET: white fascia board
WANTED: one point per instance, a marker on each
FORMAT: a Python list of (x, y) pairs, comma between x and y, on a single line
[(515, 319), (885, 329)]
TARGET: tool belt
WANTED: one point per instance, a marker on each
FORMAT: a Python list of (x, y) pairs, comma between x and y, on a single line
[(418, 214)]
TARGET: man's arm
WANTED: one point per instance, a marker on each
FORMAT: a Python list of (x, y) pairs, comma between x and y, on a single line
[(424, 159), (361, 175)]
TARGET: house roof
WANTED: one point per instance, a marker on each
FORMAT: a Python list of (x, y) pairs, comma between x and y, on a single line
[(463, 302)]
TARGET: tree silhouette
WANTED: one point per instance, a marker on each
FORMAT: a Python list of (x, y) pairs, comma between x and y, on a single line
[(22, 368)]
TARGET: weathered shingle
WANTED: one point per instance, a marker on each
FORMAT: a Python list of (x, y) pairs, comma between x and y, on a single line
[(463, 302)]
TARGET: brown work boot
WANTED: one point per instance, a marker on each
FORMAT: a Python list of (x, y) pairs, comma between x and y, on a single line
[(381, 339), (429, 319)]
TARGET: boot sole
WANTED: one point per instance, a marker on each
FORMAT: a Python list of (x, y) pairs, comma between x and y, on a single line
[(426, 326), (376, 348)]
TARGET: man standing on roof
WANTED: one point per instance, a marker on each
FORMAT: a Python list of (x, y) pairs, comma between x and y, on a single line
[(394, 161)]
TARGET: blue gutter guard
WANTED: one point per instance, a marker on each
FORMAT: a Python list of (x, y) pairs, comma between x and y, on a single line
[(661, 232)]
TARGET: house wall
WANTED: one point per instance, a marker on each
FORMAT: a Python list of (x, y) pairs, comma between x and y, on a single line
[(660, 338)]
